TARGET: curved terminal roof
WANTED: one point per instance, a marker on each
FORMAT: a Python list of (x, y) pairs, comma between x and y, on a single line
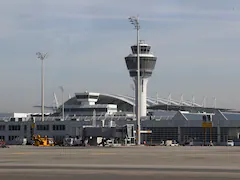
[(153, 101), (126, 103)]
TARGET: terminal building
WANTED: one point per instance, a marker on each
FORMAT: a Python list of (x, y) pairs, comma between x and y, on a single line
[(98, 110)]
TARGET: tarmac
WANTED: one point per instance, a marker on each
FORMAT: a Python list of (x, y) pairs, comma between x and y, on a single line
[(28, 162)]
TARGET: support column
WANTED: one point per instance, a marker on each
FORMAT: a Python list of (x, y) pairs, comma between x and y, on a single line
[(144, 82), (136, 95), (218, 134), (143, 99), (179, 134)]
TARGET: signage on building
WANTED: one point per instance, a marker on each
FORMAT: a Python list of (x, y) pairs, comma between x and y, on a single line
[(207, 121)]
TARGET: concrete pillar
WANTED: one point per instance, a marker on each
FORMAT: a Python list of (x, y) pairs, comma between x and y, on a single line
[(144, 82), (136, 97), (179, 134), (218, 133), (143, 97)]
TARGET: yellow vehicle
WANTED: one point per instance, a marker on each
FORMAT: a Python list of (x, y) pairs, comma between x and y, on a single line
[(45, 141)]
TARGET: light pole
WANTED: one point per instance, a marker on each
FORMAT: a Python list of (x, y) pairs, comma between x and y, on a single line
[(135, 22), (62, 89), (133, 88), (42, 56)]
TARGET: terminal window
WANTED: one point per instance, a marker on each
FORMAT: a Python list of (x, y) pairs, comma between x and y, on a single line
[(58, 139), (59, 127), (14, 127), (2, 127), (43, 127), (25, 128), (2, 138), (11, 138)]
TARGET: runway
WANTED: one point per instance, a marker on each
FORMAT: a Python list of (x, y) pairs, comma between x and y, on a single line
[(118, 163)]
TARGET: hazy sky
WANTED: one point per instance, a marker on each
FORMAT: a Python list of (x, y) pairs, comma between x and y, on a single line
[(196, 42)]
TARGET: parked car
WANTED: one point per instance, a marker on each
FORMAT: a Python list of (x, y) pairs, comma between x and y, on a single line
[(230, 143), (174, 143)]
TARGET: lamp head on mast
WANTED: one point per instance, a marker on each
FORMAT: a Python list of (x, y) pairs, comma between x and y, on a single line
[(134, 21), (41, 56)]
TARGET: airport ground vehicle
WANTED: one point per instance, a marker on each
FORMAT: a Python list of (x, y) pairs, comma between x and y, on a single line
[(45, 141), (174, 143), (171, 143), (72, 142), (230, 143), (3, 144)]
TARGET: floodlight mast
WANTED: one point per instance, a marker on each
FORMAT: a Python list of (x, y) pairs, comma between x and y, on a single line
[(134, 101), (62, 90), (42, 57), (134, 20)]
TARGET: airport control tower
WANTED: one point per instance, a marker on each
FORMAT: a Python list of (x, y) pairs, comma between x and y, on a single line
[(147, 64)]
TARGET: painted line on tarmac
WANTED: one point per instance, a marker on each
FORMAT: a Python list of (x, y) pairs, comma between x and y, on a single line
[(103, 153), (118, 167), (21, 153)]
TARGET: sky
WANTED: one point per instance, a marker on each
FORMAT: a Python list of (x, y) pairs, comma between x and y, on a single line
[(196, 43)]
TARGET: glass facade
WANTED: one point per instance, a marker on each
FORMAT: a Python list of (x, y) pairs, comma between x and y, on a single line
[(230, 133), (197, 134), (160, 134)]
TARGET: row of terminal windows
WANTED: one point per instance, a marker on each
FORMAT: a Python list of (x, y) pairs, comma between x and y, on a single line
[(10, 127), (86, 97), (43, 127), (54, 127), (39, 127), (10, 138), (86, 110), (14, 128), (59, 127)]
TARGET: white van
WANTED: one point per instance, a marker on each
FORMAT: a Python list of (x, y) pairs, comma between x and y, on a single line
[(230, 143)]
